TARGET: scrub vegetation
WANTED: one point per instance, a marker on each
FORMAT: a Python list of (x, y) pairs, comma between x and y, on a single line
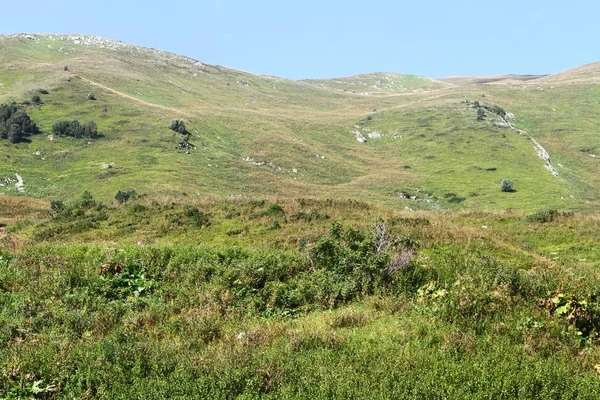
[(218, 234)]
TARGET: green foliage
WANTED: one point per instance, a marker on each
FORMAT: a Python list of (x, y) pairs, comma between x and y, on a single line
[(543, 216), (198, 217), (582, 315), (124, 196), (507, 186), (453, 198), (15, 124), (273, 210), (178, 126), (480, 114), (119, 281), (80, 215), (310, 216), (91, 96), (36, 99), (75, 129)]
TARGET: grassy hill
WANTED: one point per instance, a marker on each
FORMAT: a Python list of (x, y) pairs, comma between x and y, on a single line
[(302, 245), (261, 135)]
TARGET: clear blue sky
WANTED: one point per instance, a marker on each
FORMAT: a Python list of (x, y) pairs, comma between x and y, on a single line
[(320, 39)]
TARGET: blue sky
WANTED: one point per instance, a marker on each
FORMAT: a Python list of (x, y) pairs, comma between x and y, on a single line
[(321, 39)]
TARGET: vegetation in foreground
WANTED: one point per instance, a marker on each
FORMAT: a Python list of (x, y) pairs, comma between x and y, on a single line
[(364, 302)]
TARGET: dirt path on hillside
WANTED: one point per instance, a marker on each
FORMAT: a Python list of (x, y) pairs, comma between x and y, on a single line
[(144, 102)]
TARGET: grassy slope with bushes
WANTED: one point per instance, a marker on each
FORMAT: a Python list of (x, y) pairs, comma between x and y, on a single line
[(260, 135), (262, 251), (338, 299)]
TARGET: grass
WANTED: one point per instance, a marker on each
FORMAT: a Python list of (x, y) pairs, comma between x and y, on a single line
[(144, 297), (287, 124), (280, 257)]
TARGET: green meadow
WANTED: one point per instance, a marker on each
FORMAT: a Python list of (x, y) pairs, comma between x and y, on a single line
[(267, 252)]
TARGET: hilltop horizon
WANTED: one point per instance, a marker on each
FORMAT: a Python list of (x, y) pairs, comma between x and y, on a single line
[(459, 75)]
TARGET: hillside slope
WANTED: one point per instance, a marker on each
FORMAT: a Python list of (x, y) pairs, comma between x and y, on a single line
[(254, 135)]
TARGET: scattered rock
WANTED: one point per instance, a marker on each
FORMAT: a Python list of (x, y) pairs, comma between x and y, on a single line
[(501, 122), (106, 165), (19, 185), (375, 135), (6, 181)]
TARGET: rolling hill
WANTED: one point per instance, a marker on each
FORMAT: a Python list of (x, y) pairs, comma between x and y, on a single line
[(397, 140)]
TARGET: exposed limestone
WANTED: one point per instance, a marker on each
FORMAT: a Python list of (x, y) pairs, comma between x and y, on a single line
[(543, 154), (19, 185)]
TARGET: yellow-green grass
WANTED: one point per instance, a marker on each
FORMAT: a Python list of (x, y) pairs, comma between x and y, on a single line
[(234, 115)]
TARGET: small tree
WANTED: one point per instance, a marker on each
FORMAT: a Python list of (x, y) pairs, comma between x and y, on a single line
[(507, 185), (91, 96), (15, 133), (177, 126), (36, 99), (123, 197), (480, 114)]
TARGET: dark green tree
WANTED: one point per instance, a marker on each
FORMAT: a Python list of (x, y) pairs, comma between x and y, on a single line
[(15, 133), (177, 126)]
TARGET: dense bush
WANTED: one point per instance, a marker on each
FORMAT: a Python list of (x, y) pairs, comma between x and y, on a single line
[(80, 215), (15, 124), (124, 196), (507, 185), (178, 126), (75, 129)]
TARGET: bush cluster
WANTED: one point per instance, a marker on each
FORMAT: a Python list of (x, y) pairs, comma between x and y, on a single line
[(15, 124), (78, 216), (75, 129)]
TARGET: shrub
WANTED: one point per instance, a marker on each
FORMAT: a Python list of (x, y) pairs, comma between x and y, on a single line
[(480, 114), (498, 110), (75, 129), (15, 124), (507, 185), (91, 96), (36, 99), (123, 197), (177, 125), (198, 217), (543, 216)]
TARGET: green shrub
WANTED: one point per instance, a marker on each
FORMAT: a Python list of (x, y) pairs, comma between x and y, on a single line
[(15, 124), (199, 218), (543, 216), (75, 129), (480, 114), (178, 126), (124, 196), (507, 186)]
